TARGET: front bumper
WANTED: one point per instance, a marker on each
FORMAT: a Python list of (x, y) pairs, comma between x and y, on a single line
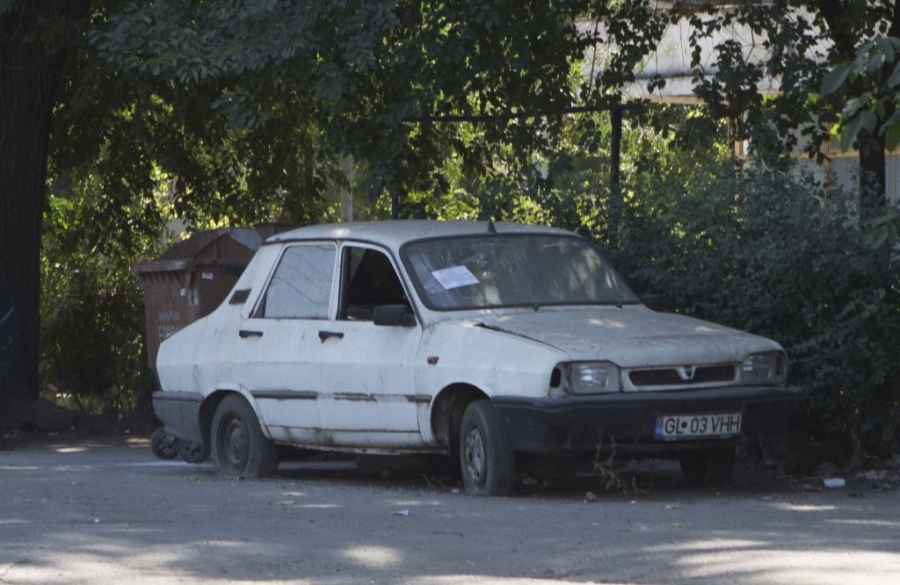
[(578, 424), (180, 412)]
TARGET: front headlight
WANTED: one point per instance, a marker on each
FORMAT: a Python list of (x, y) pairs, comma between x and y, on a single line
[(594, 377), (764, 368)]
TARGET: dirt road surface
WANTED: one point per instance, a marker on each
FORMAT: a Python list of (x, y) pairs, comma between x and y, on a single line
[(106, 511)]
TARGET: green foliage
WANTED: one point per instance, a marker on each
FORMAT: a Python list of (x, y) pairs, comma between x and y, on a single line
[(787, 260), (881, 234), (873, 111), (791, 43), (92, 332), (93, 352), (343, 77), (230, 113), (732, 93), (752, 248)]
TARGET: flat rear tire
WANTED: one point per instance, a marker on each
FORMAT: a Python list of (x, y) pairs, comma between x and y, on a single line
[(239, 447)]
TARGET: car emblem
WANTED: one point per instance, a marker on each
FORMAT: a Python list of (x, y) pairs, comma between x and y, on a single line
[(686, 373)]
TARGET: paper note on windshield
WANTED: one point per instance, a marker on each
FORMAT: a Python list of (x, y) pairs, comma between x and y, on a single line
[(454, 277)]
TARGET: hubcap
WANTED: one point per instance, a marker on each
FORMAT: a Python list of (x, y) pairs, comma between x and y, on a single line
[(236, 443), (475, 456)]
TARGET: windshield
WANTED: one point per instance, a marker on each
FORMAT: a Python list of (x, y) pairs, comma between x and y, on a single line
[(515, 270)]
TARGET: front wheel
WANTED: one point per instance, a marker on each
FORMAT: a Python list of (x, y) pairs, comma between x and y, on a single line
[(488, 465), (238, 445), (714, 467)]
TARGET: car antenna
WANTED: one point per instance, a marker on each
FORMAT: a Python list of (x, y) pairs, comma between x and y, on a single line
[(492, 229)]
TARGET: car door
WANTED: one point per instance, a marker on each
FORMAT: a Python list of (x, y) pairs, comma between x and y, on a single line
[(369, 396), (279, 348)]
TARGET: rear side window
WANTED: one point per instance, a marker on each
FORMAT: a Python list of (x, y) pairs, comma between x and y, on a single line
[(301, 285)]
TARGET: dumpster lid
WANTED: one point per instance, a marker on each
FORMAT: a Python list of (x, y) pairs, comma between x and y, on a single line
[(182, 254)]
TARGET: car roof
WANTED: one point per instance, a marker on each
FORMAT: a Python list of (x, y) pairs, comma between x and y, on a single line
[(394, 234)]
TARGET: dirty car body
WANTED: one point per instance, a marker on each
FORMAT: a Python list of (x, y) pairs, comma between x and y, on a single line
[(490, 344)]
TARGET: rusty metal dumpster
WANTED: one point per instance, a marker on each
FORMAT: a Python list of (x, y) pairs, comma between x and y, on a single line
[(191, 279)]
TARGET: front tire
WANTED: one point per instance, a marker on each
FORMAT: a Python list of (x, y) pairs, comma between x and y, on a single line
[(239, 447), (487, 463)]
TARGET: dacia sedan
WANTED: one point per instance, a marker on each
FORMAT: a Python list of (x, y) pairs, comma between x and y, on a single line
[(485, 343)]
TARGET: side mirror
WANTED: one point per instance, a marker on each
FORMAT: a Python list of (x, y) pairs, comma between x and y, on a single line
[(393, 316), (654, 302)]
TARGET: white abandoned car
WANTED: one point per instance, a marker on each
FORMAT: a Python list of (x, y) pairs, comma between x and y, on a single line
[(467, 339)]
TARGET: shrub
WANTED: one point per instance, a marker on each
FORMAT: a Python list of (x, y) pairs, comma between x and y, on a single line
[(92, 318), (778, 257), (93, 355)]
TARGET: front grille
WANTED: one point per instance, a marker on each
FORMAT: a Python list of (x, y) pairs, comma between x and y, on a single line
[(670, 376)]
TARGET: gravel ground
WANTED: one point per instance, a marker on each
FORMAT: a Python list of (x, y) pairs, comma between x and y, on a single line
[(81, 510)]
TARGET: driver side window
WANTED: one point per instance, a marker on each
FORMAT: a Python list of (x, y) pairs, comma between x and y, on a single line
[(369, 281)]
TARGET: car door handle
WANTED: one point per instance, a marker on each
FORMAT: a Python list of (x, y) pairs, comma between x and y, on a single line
[(323, 335), (244, 333)]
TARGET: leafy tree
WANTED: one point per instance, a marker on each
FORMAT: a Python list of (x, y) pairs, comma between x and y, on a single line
[(764, 251), (777, 256), (871, 116), (92, 330), (251, 105), (876, 109), (801, 41), (34, 36)]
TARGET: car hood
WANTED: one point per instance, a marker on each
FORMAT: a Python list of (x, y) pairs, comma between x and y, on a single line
[(630, 336)]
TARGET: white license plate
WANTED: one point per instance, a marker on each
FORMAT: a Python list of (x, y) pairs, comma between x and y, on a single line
[(691, 426)]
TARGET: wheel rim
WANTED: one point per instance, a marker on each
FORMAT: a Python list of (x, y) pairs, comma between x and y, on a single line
[(164, 445), (476, 460), (192, 452), (234, 446)]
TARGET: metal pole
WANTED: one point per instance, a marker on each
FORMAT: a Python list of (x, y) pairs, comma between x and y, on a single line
[(615, 198)]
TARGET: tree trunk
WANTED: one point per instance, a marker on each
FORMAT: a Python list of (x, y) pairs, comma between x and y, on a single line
[(872, 156), (29, 81), (873, 159)]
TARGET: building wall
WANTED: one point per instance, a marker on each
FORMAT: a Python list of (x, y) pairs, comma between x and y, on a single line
[(672, 61)]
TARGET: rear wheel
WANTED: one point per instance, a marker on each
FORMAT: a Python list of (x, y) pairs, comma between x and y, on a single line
[(488, 465), (708, 467), (239, 446)]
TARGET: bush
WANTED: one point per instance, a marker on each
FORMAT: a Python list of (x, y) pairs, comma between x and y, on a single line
[(93, 355), (93, 358), (773, 255)]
